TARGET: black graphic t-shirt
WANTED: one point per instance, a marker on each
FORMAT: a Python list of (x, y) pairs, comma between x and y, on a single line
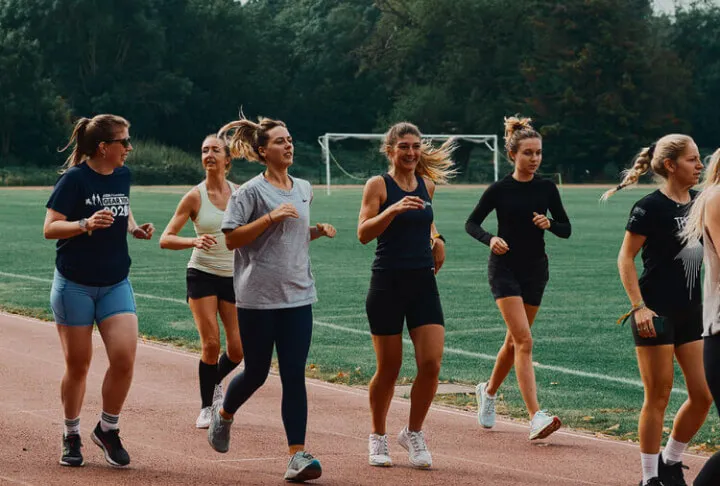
[(670, 281), (102, 258)]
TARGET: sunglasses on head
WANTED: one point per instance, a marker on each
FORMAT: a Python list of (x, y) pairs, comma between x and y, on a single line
[(124, 141)]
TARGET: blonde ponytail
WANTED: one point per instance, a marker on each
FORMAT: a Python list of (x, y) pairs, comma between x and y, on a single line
[(244, 137)]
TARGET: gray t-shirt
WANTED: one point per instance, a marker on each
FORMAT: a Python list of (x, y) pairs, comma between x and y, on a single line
[(272, 272)]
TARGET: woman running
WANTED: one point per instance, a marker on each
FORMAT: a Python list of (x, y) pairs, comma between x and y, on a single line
[(666, 310), (267, 224), (518, 266), (704, 222), (209, 272), (397, 210), (89, 214)]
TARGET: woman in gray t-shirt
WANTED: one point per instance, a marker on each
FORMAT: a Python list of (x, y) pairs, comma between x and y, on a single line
[(267, 224)]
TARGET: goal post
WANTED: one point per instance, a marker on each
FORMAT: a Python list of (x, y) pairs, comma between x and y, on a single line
[(489, 141)]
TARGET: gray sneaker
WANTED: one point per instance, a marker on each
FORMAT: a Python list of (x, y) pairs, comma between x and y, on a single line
[(486, 406), (218, 393), (219, 430), (303, 467)]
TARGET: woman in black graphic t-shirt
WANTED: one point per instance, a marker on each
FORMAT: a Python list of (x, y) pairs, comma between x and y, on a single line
[(89, 214), (397, 211), (518, 266), (666, 308)]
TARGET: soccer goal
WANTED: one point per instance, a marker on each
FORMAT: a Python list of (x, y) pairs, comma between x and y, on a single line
[(356, 160)]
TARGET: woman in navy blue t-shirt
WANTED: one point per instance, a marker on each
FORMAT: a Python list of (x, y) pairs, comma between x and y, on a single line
[(89, 214)]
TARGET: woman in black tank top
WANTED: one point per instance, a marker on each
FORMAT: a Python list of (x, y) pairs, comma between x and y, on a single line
[(397, 210)]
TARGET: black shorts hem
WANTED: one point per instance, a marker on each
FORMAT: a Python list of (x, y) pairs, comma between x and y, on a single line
[(680, 327), (203, 284)]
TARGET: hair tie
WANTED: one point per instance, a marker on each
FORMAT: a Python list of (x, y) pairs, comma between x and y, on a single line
[(651, 150)]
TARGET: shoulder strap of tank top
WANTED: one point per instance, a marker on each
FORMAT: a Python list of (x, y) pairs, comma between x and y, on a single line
[(204, 198), (422, 186)]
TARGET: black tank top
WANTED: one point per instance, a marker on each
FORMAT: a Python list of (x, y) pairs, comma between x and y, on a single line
[(405, 244)]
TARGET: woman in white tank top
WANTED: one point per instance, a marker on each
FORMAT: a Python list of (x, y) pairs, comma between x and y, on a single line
[(704, 222), (210, 271)]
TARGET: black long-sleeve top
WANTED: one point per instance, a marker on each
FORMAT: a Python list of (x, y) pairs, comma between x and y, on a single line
[(515, 202)]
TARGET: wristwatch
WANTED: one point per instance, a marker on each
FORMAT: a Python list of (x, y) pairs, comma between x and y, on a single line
[(83, 224)]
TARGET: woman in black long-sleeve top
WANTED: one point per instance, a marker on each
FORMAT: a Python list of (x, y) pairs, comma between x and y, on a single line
[(518, 266)]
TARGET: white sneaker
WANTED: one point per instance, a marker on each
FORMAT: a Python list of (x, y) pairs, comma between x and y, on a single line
[(218, 393), (486, 406), (203, 420), (543, 424), (414, 443), (379, 451)]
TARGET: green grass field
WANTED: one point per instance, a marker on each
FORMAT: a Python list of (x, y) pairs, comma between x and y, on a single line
[(587, 373)]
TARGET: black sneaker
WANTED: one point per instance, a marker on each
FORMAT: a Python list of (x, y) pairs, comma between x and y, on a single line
[(109, 442), (71, 455), (671, 475), (653, 482)]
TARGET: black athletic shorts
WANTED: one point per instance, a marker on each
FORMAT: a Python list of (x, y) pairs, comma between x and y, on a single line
[(676, 328), (202, 284), (396, 296), (512, 278)]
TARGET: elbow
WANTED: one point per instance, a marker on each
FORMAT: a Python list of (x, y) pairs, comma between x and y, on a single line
[(469, 227), (164, 243), (363, 237)]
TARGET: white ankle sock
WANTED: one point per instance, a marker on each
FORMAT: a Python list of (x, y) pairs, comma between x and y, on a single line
[(71, 426), (673, 451), (649, 466), (109, 421)]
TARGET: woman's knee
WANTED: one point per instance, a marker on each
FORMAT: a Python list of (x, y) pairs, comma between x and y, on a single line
[(234, 352), (77, 366), (658, 397), (522, 344), (701, 398), (429, 367), (210, 349)]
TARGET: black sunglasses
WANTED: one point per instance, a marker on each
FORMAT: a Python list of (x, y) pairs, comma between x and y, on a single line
[(124, 141)]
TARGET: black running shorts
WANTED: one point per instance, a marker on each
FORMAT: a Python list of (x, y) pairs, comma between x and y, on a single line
[(512, 278), (676, 328), (202, 284), (396, 296)]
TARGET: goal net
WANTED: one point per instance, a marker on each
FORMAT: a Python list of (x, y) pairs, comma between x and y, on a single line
[(352, 158)]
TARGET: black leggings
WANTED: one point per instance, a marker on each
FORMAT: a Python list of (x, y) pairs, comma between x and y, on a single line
[(290, 331), (710, 473)]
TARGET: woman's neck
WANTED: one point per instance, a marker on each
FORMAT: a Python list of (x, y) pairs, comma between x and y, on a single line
[(679, 193), (278, 177), (215, 180), (522, 176), (101, 166), (404, 178)]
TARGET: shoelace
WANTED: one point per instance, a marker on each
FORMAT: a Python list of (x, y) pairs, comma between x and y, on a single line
[(676, 471), (72, 443), (113, 438), (489, 406), (418, 441), (380, 446)]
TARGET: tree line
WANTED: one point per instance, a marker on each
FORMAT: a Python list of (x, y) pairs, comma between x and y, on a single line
[(601, 78)]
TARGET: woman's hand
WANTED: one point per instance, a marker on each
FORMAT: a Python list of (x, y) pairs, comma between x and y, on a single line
[(100, 220), (325, 229), (143, 231), (408, 203), (204, 242), (644, 322), (541, 221), (283, 212), (438, 252), (498, 245)]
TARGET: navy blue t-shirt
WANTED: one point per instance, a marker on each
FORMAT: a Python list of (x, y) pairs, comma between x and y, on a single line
[(100, 259), (405, 243)]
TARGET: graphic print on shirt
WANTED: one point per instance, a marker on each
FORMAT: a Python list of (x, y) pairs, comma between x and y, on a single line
[(691, 257), (117, 204)]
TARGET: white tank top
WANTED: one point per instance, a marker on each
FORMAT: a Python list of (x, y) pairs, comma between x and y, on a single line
[(218, 260), (711, 288)]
